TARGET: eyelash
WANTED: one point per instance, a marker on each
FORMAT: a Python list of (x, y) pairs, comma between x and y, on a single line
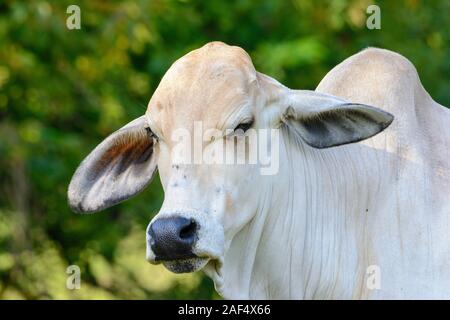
[(150, 133), (244, 126)]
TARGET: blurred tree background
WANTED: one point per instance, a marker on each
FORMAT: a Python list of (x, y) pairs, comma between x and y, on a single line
[(63, 91)]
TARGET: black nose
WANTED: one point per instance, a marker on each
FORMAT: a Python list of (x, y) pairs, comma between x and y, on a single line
[(172, 238)]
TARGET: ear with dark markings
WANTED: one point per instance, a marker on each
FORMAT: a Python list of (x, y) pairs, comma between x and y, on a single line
[(324, 121), (118, 168)]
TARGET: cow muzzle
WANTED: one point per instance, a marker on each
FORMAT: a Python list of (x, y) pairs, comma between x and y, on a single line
[(181, 243), (172, 238)]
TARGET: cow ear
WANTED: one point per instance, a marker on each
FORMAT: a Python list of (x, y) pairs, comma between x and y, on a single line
[(118, 168), (324, 121), (321, 120)]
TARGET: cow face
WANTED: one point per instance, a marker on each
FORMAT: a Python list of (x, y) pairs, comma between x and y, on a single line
[(202, 98), (191, 118)]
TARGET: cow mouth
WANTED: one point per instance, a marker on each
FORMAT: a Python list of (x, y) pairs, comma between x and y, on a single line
[(175, 257), (185, 265)]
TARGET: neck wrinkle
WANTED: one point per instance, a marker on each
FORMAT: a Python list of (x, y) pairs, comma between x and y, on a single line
[(238, 274), (309, 226)]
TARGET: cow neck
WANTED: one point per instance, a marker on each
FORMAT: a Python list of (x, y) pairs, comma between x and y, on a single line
[(310, 226)]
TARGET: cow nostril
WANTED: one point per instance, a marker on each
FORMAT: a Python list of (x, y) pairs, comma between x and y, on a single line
[(173, 237), (189, 230)]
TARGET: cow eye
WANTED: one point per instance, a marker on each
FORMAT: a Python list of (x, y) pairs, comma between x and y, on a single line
[(150, 133), (244, 126)]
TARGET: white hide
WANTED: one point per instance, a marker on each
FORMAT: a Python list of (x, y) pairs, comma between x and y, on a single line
[(331, 214)]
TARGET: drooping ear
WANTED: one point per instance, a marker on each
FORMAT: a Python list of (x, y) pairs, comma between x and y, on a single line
[(118, 168), (324, 121), (321, 120)]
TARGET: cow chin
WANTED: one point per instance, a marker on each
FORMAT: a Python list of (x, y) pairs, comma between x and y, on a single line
[(186, 265)]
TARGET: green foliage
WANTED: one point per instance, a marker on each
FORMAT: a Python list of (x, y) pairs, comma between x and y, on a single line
[(62, 91)]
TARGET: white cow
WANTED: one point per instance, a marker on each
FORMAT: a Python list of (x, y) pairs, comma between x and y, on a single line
[(340, 220)]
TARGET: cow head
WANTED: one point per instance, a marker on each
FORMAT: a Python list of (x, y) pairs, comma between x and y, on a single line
[(217, 88)]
